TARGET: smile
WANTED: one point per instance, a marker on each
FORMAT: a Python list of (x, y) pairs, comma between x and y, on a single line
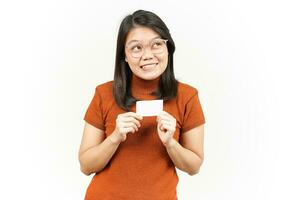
[(149, 66)]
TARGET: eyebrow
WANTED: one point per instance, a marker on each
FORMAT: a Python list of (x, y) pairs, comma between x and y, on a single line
[(140, 40)]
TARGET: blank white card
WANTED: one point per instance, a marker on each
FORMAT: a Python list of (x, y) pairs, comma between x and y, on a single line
[(149, 107)]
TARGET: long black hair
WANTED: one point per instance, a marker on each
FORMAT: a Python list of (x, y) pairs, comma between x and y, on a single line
[(122, 76)]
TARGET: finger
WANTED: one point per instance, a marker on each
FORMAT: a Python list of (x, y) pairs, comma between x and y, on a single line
[(131, 119), (163, 125), (124, 131), (133, 114), (164, 113), (168, 128), (122, 119), (128, 130), (167, 122), (130, 124), (167, 117), (122, 125)]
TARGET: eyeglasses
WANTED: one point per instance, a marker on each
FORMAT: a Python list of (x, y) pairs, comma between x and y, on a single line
[(136, 49)]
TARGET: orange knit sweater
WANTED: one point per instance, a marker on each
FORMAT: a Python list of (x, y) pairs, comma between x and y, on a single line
[(141, 168)]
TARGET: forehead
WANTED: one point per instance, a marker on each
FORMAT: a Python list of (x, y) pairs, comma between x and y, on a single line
[(141, 34)]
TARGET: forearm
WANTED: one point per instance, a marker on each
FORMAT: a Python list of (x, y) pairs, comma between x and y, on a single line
[(184, 159), (96, 158)]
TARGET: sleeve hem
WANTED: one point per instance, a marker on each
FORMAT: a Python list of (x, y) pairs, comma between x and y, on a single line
[(98, 126), (192, 126)]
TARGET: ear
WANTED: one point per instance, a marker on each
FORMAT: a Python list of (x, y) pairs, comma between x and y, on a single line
[(126, 59)]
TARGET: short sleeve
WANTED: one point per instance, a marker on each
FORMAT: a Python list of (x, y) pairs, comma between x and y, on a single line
[(193, 115), (93, 114)]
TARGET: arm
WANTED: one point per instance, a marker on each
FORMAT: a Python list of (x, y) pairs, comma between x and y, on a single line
[(93, 144), (188, 156), (96, 150)]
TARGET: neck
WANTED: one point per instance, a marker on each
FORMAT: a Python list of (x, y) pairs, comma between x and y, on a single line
[(141, 87)]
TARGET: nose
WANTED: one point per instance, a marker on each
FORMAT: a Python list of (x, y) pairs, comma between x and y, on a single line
[(147, 54)]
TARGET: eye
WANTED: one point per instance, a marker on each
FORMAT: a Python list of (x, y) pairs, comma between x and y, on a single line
[(136, 48), (157, 44)]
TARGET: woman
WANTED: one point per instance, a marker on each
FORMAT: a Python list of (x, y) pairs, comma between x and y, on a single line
[(133, 156)]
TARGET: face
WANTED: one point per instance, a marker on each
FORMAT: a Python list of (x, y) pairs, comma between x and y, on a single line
[(149, 63)]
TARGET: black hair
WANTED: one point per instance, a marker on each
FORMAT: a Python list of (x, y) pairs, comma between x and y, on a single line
[(122, 76)]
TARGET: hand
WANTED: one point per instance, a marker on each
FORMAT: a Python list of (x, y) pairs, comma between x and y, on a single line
[(126, 123), (166, 127)]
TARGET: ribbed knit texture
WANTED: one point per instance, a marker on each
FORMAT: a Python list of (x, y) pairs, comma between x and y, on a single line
[(143, 88)]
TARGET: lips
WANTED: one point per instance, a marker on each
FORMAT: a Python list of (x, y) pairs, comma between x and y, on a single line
[(142, 66)]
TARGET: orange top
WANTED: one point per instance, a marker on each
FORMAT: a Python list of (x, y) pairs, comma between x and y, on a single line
[(141, 168)]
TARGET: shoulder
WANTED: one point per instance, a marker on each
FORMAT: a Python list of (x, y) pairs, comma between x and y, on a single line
[(105, 90), (186, 91), (104, 87)]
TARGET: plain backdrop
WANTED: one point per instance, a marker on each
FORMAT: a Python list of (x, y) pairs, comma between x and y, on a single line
[(242, 56)]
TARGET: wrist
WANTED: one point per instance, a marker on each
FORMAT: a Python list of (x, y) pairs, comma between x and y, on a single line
[(170, 144), (115, 138)]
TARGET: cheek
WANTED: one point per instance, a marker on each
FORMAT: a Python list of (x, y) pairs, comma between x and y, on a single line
[(163, 60), (133, 65), (164, 57)]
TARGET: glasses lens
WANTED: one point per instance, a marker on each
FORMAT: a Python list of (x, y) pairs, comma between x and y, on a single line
[(135, 49), (157, 46)]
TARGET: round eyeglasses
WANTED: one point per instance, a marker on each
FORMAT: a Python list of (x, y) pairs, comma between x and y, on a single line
[(137, 49)]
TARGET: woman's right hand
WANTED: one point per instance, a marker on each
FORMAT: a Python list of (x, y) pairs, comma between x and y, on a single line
[(126, 123)]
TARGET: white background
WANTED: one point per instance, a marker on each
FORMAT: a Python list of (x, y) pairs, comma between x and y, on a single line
[(242, 56)]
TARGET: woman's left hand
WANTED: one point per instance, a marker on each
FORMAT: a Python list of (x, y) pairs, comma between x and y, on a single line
[(166, 127)]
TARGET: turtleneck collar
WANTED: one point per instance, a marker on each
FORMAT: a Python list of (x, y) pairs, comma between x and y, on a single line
[(141, 87)]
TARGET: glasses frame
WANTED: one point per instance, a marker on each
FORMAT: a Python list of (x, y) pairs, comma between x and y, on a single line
[(164, 40)]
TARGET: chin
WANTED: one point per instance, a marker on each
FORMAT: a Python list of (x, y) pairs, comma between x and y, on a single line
[(149, 77)]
